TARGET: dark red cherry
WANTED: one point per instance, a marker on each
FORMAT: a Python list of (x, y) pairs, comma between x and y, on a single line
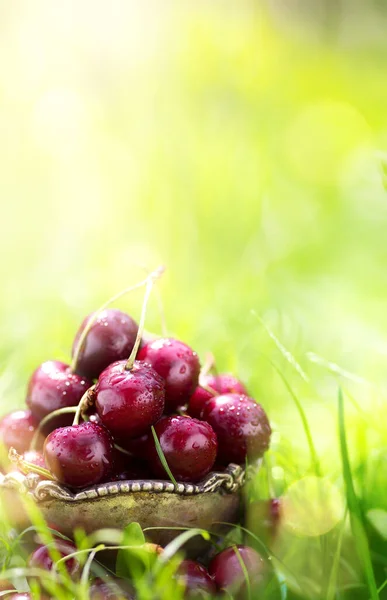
[(17, 430), (110, 338), (111, 589), (241, 426), (189, 446), (129, 401), (224, 383), (138, 447), (128, 467), (79, 455), (53, 386), (196, 579), (227, 571), (177, 364), (41, 558)]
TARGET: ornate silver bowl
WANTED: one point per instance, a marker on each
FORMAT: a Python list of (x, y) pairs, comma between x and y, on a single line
[(151, 503)]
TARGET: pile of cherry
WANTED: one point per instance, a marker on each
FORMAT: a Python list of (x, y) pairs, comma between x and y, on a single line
[(128, 394)]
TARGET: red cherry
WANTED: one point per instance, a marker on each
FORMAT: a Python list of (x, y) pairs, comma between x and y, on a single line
[(17, 430), (110, 338), (41, 558), (111, 589), (177, 364), (80, 455), (189, 446), (227, 572), (36, 458), (197, 581), (241, 426), (138, 447), (128, 467), (129, 401), (224, 383), (53, 386)]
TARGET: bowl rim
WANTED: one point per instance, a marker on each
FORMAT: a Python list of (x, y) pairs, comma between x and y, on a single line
[(229, 481)]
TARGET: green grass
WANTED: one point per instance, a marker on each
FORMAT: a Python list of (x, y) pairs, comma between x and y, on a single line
[(240, 147)]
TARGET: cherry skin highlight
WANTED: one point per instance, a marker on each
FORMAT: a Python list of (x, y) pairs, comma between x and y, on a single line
[(128, 402), (177, 364), (241, 426), (41, 558), (53, 386), (111, 338), (79, 455), (197, 581), (227, 572), (224, 383), (189, 446), (17, 430)]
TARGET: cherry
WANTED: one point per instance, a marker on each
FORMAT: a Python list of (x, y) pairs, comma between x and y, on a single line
[(113, 588), (129, 401), (110, 338), (197, 581), (128, 467), (264, 517), (36, 458), (228, 574), (189, 446), (41, 558), (79, 455), (17, 430), (241, 426), (224, 383), (177, 364), (53, 386), (137, 447)]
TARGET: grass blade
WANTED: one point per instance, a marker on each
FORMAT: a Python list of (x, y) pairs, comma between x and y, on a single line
[(304, 420), (357, 523), (162, 458)]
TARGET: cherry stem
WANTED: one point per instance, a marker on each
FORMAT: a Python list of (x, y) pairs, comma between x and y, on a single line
[(164, 329), (209, 364), (86, 402), (151, 279), (94, 317), (55, 413), (27, 467)]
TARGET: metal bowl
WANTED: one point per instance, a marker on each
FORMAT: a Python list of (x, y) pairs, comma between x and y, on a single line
[(151, 503)]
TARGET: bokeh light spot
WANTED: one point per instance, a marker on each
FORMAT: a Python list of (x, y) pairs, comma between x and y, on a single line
[(312, 506)]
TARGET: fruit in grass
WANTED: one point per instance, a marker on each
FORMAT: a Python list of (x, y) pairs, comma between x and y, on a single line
[(214, 385), (189, 446), (241, 426), (228, 573), (17, 430), (110, 338), (196, 580), (113, 588), (129, 401), (42, 558), (54, 386), (177, 364), (79, 455)]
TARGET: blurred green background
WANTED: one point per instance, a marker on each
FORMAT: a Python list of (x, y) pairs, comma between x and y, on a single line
[(238, 143)]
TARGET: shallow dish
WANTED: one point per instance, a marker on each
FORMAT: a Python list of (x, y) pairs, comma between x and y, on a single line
[(152, 503)]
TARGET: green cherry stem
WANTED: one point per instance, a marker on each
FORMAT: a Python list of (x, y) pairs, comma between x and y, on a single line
[(27, 467), (68, 410), (151, 279), (87, 401)]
